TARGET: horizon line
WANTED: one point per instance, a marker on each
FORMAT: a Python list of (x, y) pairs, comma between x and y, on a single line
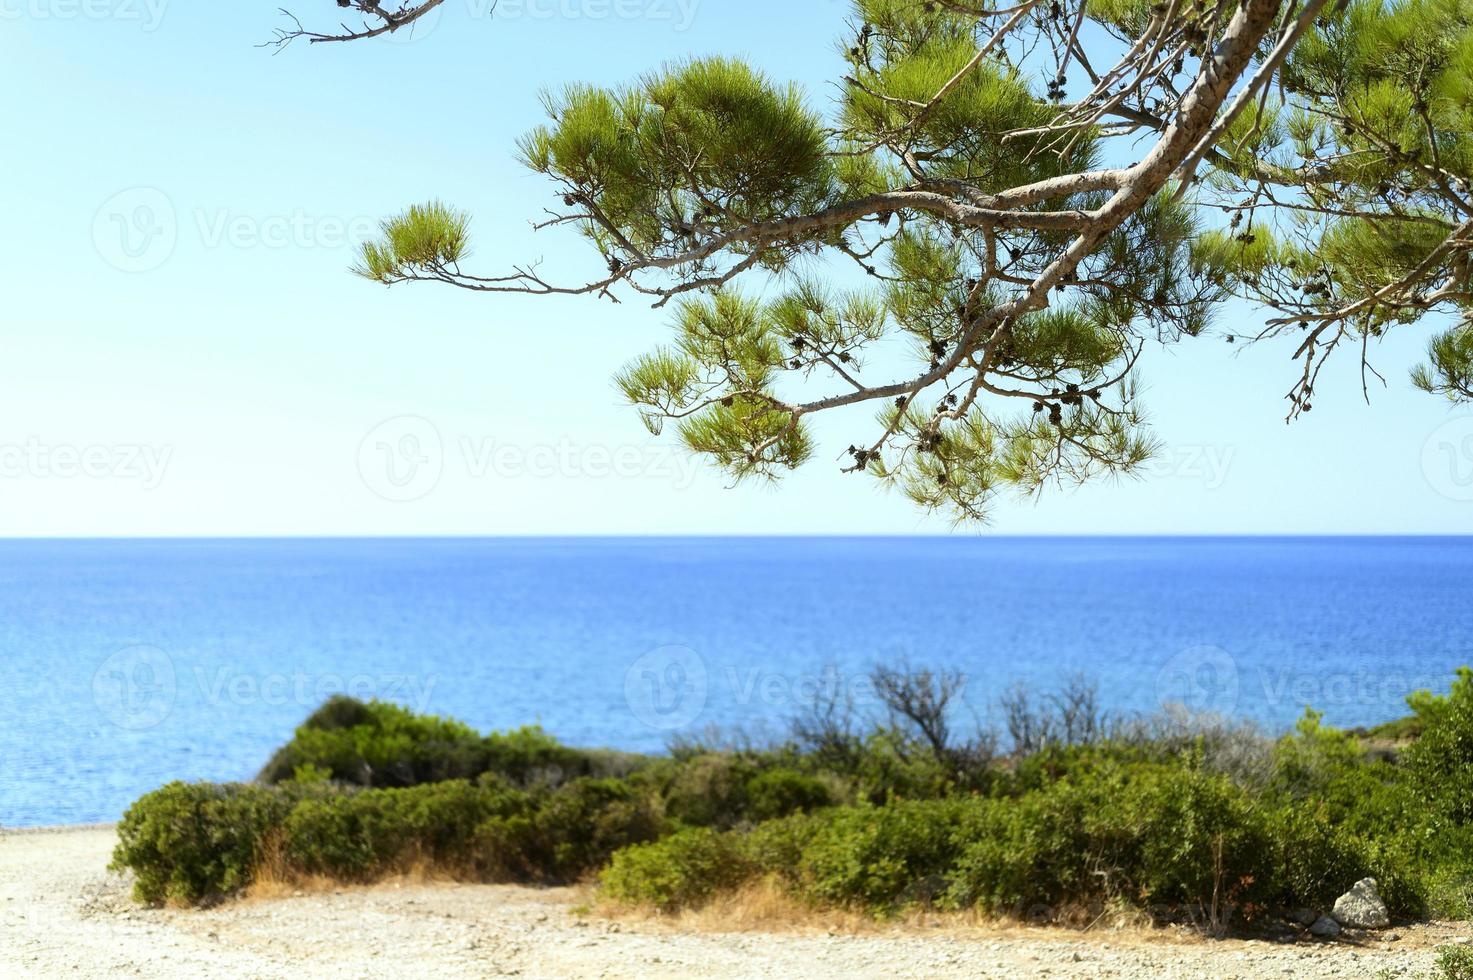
[(778, 535)]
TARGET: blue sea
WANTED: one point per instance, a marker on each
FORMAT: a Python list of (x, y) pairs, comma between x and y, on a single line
[(131, 663)]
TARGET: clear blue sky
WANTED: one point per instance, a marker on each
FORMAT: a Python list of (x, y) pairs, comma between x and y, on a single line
[(184, 352)]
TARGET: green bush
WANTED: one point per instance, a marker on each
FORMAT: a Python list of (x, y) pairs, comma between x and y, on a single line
[(483, 831), (529, 756), (1455, 963), (362, 836), (378, 744), (1161, 837), (572, 831), (868, 857), (196, 842), (1312, 860), (890, 766), (777, 846), (1449, 879), (384, 745), (1315, 760), (723, 790), (778, 792), (680, 871), (1440, 761), (880, 858), (708, 790), (1153, 817)]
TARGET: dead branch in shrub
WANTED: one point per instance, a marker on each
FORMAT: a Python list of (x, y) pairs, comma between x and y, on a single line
[(919, 702), (826, 726)]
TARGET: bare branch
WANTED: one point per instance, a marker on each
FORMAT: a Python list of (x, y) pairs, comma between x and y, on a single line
[(377, 20)]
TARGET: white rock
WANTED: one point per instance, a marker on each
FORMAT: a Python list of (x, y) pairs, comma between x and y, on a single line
[(1361, 907)]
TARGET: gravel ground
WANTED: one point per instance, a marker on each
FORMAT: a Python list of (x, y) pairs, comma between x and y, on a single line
[(61, 915)]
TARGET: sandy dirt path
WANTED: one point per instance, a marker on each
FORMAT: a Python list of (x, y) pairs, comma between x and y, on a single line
[(63, 915)]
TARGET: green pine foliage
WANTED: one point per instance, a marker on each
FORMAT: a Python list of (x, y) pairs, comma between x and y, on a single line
[(1338, 201), (1449, 367), (697, 145), (426, 239)]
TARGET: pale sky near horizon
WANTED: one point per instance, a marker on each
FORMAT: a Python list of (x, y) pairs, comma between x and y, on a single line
[(185, 353)]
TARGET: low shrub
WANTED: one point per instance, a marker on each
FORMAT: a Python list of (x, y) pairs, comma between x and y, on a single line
[(196, 842), (777, 846), (1311, 861), (878, 858), (710, 789), (680, 871), (571, 831), (1440, 761), (779, 792), (1184, 818), (1175, 840), (1330, 769), (890, 766), (1449, 880), (707, 789), (1398, 730), (376, 744), (366, 835), (1455, 963)]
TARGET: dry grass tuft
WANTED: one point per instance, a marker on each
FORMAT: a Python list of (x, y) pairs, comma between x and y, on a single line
[(275, 878), (764, 906)]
